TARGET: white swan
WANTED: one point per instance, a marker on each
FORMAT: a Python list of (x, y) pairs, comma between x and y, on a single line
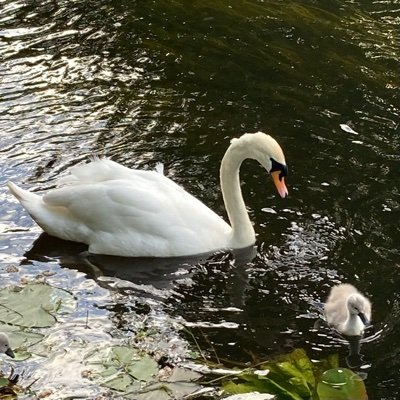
[(125, 212), (5, 345), (347, 310)]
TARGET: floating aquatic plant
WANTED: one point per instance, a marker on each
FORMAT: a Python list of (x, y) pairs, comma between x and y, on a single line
[(33, 305), (138, 376), (295, 377), (24, 309), (341, 384)]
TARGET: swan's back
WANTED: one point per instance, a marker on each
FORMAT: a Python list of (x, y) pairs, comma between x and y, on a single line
[(99, 170)]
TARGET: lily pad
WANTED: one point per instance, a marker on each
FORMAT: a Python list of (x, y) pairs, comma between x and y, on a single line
[(21, 337), (144, 369), (341, 384), (20, 340), (34, 305), (119, 367), (120, 382), (164, 391), (125, 369)]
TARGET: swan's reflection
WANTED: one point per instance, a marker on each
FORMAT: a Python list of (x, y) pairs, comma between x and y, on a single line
[(158, 272)]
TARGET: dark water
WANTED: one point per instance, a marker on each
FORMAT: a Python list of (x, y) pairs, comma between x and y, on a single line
[(144, 82)]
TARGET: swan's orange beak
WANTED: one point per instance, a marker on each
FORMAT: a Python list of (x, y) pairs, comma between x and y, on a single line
[(280, 184)]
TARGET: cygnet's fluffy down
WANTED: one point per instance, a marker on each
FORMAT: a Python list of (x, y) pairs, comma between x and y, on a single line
[(347, 310), (5, 345)]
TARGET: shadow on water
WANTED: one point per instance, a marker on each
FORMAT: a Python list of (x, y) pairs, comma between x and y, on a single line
[(158, 272)]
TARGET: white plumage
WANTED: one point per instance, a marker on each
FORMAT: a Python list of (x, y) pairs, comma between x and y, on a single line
[(5, 345), (126, 212), (347, 310)]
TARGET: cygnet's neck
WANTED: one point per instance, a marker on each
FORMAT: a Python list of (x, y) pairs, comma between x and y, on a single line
[(243, 234), (353, 326)]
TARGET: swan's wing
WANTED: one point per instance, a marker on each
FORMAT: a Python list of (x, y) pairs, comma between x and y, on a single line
[(110, 200), (151, 209), (99, 170)]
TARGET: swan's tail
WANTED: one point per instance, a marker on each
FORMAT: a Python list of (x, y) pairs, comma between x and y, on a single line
[(48, 218), (24, 196)]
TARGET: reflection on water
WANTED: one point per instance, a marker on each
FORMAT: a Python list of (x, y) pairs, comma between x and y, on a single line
[(158, 272), (149, 82)]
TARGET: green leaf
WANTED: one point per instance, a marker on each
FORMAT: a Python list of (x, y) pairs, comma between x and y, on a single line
[(296, 364), (32, 306), (123, 355), (3, 382), (341, 384), (144, 369), (297, 381), (238, 388), (20, 337), (21, 355), (290, 377), (119, 383), (158, 393), (180, 390), (320, 366), (108, 371), (183, 375), (262, 384), (164, 391), (121, 366)]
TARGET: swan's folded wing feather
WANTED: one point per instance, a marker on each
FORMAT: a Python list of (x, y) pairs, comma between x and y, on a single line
[(100, 170), (98, 202), (150, 213), (148, 206)]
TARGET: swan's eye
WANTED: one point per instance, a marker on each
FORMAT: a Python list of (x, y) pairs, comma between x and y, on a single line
[(276, 166)]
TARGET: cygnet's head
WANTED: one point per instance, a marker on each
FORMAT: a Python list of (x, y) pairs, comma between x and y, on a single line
[(357, 304), (266, 150), (5, 345)]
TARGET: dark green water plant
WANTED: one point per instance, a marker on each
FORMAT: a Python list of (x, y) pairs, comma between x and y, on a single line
[(295, 377)]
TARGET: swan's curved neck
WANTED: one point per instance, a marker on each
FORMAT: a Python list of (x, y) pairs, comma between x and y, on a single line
[(243, 234)]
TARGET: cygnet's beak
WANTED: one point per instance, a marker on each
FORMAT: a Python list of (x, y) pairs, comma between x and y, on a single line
[(10, 353), (279, 183), (363, 318)]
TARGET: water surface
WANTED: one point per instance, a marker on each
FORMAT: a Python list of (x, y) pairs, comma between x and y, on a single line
[(153, 81)]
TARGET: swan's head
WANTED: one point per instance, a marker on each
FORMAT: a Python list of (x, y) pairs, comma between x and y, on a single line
[(266, 150), (5, 345), (357, 304)]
